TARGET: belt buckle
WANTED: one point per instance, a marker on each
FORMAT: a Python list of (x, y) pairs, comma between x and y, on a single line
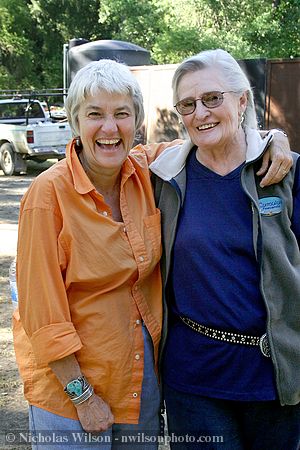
[(264, 346)]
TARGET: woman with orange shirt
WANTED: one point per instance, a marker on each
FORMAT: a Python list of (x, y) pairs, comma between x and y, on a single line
[(88, 271)]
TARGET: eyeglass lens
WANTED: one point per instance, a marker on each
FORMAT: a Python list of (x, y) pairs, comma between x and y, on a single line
[(210, 100)]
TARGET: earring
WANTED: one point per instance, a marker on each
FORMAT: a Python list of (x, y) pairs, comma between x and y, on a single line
[(78, 144), (242, 118)]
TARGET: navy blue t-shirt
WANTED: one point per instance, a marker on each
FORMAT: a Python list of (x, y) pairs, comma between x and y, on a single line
[(215, 280)]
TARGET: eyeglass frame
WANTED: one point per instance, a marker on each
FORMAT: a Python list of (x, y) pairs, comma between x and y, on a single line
[(200, 98)]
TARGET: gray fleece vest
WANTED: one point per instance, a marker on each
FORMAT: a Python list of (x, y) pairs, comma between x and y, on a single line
[(278, 256)]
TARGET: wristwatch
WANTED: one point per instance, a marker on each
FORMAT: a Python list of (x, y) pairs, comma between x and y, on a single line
[(79, 390)]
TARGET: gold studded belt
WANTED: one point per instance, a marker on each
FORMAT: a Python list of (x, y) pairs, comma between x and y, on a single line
[(233, 338)]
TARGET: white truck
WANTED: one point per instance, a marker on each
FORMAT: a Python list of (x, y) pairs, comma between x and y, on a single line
[(29, 132)]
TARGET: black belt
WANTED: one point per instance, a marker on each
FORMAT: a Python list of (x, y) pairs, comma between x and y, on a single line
[(232, 338)]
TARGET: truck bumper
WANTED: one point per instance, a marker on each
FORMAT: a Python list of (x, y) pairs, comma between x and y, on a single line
[(47, 152)]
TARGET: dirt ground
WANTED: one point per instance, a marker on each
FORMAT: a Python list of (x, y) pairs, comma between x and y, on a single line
[(13, 407)]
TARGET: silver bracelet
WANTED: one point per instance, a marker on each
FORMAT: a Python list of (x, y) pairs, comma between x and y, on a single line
[(83, 397), (79, 390)]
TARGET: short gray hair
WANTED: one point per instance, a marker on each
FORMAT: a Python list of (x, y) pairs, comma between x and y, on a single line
[(108, 75), (234, 77)]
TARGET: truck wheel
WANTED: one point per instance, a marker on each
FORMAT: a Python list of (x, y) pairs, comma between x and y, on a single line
[(7, 159)]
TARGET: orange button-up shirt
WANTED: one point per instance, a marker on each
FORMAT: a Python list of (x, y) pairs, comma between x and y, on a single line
[(86, 283)]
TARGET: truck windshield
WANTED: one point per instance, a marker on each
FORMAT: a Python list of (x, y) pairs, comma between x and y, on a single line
[(17, 110)]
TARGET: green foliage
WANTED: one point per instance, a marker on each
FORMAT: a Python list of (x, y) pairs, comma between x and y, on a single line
[(136, 21), (15, 49), (245, 28), (58, 21), (33, 32)]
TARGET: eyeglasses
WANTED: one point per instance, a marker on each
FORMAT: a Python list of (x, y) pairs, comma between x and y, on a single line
[(209, 99)]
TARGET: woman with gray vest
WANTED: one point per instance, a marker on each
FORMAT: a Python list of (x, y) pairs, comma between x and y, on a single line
[(231, 266)]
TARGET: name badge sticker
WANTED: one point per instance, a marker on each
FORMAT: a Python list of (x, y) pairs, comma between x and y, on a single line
[(269, 206)]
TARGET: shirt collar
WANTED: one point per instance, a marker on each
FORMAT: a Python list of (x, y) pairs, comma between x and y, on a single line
[(81, 181)]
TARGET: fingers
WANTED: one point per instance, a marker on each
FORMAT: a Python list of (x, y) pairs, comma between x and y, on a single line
[(280, 165), (265, 164), (102, 424), (274, 175), (95, 415)]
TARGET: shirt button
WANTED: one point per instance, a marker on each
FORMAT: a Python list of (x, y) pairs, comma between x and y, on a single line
[(134, 395), (138, 321), (137, 357), (124, 229), (141, 258), (105, 213)]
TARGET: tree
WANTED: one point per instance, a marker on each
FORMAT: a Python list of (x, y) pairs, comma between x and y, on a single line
[(283, 39), (247, 29), (57, 22), (16, 54), (136, 21), (33, 32)]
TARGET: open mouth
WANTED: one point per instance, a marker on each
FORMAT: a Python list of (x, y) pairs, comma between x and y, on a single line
[(207, 126), (108, 142)]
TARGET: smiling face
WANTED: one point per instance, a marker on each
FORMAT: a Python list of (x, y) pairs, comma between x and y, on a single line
[(107, 128), (215, 127)]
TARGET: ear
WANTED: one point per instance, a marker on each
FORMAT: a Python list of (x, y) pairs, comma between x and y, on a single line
[(243, 101)]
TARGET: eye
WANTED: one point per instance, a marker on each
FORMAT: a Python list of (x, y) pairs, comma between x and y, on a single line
[(187, 103), (122, 115), (94, 114), (212, 97)]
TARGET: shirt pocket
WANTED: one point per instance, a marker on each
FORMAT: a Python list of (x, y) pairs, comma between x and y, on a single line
[(153, 234)]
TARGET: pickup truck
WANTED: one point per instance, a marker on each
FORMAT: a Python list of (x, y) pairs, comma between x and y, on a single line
[(28, 132)]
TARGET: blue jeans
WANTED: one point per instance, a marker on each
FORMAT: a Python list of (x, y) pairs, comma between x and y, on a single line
[(65, 434), (199, 422)]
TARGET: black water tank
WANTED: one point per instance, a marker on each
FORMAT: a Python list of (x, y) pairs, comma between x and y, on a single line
[(82, 52), (77, 41)]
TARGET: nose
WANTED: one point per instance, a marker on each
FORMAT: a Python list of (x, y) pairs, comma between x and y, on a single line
[(109, 124), (201, 110)]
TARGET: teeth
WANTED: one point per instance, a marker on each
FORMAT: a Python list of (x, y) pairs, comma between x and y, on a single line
[(108, 141), (206, 126)]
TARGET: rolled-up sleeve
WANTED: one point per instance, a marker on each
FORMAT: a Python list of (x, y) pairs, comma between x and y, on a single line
[(41, 267), (60, 340)]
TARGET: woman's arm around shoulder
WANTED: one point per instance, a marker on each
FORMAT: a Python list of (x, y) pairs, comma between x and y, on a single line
[(277, 160), (152, 151)]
